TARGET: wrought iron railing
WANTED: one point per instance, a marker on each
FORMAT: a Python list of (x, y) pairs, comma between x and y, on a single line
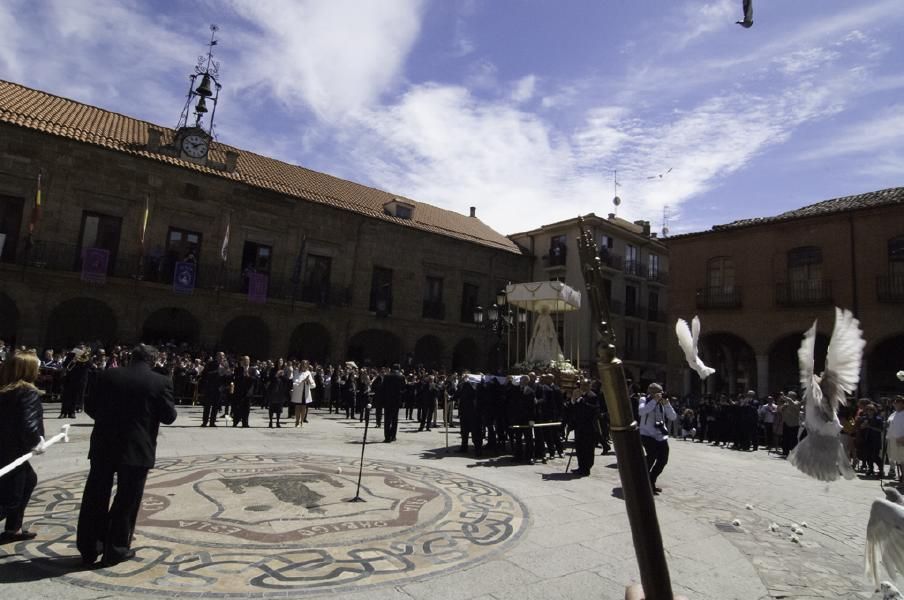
[(719, 297), (803, 293), (890, 288)]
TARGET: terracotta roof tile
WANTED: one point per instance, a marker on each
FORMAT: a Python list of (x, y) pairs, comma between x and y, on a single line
[(34, 109)]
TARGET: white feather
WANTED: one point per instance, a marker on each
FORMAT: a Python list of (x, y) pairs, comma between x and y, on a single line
[(885, 539), (806, 358), (843, 359), (687, 339)]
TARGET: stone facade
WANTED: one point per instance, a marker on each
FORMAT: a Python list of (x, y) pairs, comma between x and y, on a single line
[(43, 300), (758, 285), (638, 298)]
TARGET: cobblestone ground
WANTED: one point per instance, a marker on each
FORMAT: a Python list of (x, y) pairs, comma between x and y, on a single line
[(573, 540)]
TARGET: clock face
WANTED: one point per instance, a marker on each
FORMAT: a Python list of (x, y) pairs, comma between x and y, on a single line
[(194, 146)]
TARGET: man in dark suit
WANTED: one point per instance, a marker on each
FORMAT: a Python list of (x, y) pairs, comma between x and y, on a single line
[(391, 393), (127, 406)]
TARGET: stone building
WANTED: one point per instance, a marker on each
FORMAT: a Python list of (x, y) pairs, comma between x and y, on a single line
[(637, 264), (758, 284), (346, 271)]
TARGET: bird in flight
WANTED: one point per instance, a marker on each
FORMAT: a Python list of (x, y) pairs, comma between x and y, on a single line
[(747, 23), (687, 339), (661, 175), (821, 454), (885, 540)]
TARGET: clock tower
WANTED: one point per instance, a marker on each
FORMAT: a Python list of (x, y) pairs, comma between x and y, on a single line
[(194, 133)]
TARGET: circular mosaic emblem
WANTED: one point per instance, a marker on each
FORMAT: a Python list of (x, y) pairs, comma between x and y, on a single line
[(272, 525)]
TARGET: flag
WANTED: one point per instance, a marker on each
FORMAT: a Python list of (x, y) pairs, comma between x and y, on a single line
[(144, 221), (35, 209), (299, 262), (224, 249)]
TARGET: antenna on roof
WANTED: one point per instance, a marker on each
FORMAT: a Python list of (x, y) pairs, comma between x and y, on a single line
[(616, 200), (665, 220)]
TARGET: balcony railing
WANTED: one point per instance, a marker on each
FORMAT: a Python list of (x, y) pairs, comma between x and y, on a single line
[(635, 268), (658, 277), (209, 275), (719, 297), (804, 293), (890, 288), (434, 310), (612, 261), (551, 261)]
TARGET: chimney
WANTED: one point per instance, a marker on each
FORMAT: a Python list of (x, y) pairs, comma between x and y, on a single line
[(474, 211), (611, 216), (153, 139), (644, 225), (232, 158)]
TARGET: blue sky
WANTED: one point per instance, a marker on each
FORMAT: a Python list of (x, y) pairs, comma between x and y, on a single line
[(522, 109)]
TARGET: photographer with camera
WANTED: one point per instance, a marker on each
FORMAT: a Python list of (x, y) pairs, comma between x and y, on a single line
[(655, 411)]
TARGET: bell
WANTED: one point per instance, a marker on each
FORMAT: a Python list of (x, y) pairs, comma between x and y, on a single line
[(201, 107), (204, 88)]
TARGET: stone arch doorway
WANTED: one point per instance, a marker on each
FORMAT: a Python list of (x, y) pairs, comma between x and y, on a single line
[(734, 362), (247, 335), (171, 324), (428, 351), (376, 347), (80, 320), (784, 372), (466, 355), (882, 364), (9, 319), (310, 341)]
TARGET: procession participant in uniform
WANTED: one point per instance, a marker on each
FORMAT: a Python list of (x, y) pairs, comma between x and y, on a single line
[(512, 391), (277, 391), (427, 396), (486, 407), (527, 415), (243, 380), (377, 385), (391, 392), (75, 382), (347, 383), (211, 382), (585, 415), (128, 406), (409, 395), (468, 413)]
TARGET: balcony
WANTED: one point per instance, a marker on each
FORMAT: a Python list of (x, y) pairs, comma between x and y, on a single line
[(325, 295), (552, 261), (612, 261), (635, 268), (434, 310), (657, 276), (719, 297), (890, 288), (814, 292)]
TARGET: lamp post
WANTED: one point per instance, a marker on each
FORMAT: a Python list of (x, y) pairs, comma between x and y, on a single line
[(499, 319)]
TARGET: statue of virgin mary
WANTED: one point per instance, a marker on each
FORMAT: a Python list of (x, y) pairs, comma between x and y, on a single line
[(544, 343)]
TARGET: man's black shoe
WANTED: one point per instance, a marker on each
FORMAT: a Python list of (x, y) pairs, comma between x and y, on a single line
[(110, 561)]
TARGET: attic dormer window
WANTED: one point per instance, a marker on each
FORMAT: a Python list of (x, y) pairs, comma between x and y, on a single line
[(399, 209)]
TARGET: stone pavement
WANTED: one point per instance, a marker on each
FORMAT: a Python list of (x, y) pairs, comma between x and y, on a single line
[(265, 513)]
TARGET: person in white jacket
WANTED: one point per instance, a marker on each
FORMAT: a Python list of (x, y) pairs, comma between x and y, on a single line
[(655, 412), (894, 435), (302, 384)]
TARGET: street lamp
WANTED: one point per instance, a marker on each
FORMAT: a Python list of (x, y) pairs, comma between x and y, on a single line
[(499, 319)]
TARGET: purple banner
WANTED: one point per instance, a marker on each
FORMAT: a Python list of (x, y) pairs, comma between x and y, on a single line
[(94, 265), (184, 278), (257, 287)]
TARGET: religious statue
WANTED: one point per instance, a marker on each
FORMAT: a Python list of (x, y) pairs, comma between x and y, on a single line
[(544, 343)]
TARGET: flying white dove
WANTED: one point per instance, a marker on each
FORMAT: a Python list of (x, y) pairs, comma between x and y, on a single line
[(747, 23), (687, 339), (890, 592), (885, 537), (821, 454)]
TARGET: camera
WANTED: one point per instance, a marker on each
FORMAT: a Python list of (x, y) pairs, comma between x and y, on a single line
[(661, 428)]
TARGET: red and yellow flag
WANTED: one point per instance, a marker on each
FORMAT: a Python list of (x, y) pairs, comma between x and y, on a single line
[(35, 209)]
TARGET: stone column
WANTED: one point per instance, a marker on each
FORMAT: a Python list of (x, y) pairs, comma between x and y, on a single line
[(762, 375)]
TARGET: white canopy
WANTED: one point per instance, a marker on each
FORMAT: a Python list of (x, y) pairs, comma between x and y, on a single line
[(553, 296)]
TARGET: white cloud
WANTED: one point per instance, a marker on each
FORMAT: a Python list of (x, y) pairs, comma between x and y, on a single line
[(336, 57), (524, 89), (882, 133)]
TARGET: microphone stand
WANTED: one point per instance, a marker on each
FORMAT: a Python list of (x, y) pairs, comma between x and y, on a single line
[(358, 497)]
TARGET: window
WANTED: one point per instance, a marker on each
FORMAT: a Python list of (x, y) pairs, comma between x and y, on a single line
[(720, 274), (403, 212), (433, 298), (10, 221), (381, 291), (469, 294), (896, 257), (632, 260), (558, 250), (316, 284), (805, 264), (99, 231), (630, 301), (653, 306), (653, 272), (630, 343), (181, 245), (256, 258), (606, 242)]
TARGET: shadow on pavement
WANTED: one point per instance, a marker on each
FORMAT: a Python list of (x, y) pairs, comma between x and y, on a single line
[(37, 569)]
